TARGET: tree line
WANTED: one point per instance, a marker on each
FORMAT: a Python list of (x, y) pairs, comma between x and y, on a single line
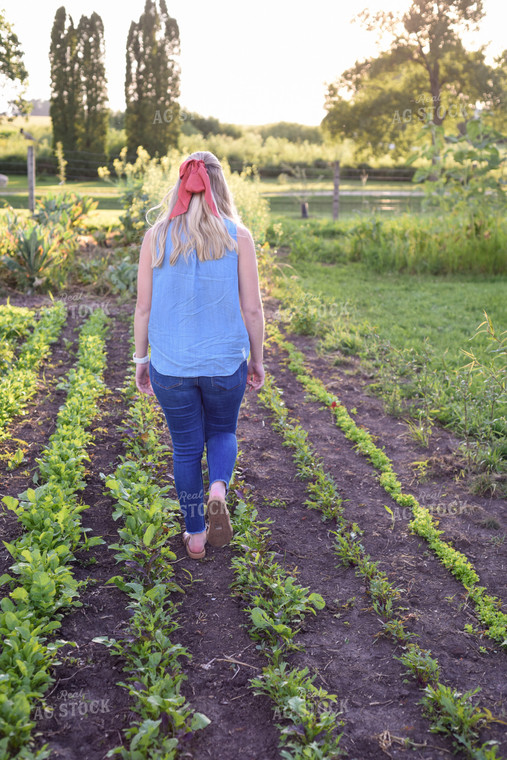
[(424, 74), (78, 104)]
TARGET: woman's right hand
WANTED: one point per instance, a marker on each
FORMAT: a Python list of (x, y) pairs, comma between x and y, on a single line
[(143, 382), (255, 375)]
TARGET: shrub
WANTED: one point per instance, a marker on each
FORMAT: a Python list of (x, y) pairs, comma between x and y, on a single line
[(67, 209), (36, 255)]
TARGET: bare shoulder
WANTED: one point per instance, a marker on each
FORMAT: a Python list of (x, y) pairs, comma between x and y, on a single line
[(245, 240), (244, 233), (145, 251), (147, 235)]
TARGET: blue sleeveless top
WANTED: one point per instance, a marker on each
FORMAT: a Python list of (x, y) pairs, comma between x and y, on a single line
[(196, 327)]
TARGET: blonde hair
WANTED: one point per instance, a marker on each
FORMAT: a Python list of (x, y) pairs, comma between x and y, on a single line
[(198, 228)]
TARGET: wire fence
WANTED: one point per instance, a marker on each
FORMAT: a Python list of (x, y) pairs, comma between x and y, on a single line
[(83, 165)]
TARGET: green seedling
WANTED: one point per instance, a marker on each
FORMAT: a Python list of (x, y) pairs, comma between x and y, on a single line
[(420, 664)]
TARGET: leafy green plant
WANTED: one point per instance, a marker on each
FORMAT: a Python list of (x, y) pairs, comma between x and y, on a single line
[(15, 459), (122, 276), (16, 321), (276, 599), (37, 255), (66, 209), (455, 714), (420, 664), (303, 313), (467, 176), (307, 722)]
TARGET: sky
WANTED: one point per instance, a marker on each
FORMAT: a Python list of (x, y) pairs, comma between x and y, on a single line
[(244, 63)]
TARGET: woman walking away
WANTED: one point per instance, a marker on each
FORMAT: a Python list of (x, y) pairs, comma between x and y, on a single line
[(199, 307)]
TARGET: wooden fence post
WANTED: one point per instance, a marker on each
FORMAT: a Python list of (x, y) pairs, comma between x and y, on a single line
[(31, 177), (336, 190)]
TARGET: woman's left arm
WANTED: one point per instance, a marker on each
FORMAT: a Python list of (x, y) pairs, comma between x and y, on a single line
[(142, 314)]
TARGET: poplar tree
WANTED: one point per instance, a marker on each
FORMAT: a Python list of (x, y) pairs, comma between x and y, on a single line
[(93, 113), (65, 81), (152, 81)]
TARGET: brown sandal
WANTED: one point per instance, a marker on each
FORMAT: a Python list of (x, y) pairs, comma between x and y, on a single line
[(191, 554), (219, 531)]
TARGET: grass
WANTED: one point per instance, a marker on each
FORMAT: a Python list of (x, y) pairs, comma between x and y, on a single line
[(273, 185), (408, 309), (50, 184), (16, 192), (320, 206)]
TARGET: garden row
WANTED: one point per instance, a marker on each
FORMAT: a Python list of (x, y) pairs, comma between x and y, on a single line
[(149, 520), (488, 607), (448, 709), (41, 586), (19, 380)]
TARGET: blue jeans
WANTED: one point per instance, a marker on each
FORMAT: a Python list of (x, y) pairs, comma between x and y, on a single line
[(200, 410)]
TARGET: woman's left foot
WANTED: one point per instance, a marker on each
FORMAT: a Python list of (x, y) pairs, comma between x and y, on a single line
[(194, 544)]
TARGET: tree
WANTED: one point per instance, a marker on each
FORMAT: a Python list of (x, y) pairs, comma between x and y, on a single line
[(78, 108), (65, 99), (208, 125), (93, 113), (468, 178), (425, 75), (152, 81), (13, 74), (293, 132), (498, 110)]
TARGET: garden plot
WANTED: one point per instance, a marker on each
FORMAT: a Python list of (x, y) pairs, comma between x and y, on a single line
[(290, 642)]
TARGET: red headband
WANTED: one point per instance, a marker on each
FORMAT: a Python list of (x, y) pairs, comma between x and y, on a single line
[(194, 179)]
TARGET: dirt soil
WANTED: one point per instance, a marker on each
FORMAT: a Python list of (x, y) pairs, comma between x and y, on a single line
[(378, 704)]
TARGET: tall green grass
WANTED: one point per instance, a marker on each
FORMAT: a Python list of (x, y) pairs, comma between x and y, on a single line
[(427, 244)]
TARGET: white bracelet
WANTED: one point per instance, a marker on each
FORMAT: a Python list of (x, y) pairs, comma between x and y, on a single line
[(144, 360)]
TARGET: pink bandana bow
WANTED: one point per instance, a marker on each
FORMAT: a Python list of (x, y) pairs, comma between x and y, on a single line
[(194, 179)]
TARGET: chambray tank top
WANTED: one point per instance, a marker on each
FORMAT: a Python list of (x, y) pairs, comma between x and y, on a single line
[(196, 327)]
